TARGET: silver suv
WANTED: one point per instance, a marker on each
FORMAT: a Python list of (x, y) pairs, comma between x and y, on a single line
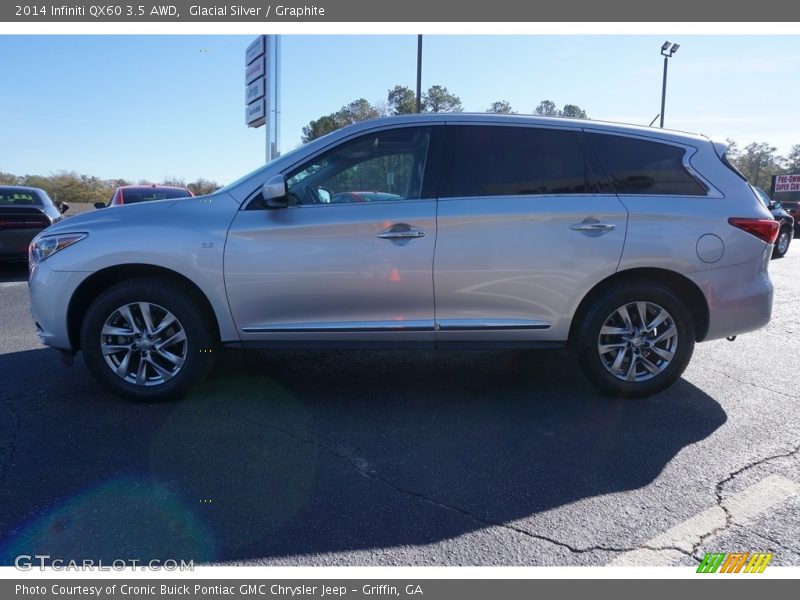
[(627, 244)]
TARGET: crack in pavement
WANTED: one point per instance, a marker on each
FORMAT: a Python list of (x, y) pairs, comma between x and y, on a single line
[(720, 501), (777, 543), (755, 385), (461, 511)]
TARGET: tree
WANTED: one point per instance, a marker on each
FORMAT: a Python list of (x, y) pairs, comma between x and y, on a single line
[(320, 127), (547, 108), (402, 100), (355, 112), (174, 182), (437, 99), (203, 187), (792, 164), (8, 179), (759, 162), (733, 153), (573, 111), (502, 107)]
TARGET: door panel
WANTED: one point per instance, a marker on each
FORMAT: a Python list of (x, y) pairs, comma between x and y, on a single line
[(517, 259), (307, 272)]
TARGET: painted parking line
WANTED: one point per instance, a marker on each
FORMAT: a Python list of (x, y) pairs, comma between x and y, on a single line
[(742, 506), (8, 284)]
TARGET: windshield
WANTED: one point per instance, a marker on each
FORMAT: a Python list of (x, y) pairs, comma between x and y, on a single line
[(251, 173)]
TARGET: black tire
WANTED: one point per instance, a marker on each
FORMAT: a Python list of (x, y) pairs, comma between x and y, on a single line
[(782, 243), (191, 358), (587, 343)]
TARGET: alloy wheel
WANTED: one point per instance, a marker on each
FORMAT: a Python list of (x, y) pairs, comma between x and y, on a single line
[(143, 343), (637, 341)]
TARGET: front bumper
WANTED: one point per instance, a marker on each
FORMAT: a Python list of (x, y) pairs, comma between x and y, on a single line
[(50, 293), (739, 297)]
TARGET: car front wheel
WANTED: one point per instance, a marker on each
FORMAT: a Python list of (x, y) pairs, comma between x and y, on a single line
[(635, 340), (145, 340)]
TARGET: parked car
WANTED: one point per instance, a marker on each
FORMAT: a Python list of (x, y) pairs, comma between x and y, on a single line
[(24, 212), (626, 244), (132, 194), (343, 197), (787, 223), (790, 202)]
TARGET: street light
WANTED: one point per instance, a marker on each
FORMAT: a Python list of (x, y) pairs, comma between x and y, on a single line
[(419, 73), (667, 50)]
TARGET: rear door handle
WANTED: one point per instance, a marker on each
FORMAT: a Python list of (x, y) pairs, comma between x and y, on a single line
[(593, 227), (400, 231)]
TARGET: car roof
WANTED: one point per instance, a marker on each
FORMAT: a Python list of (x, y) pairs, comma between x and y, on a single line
[(22, 188), (154, 186), (588, 124)]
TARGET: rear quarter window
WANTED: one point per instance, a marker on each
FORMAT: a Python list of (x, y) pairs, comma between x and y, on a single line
[(644, 167)]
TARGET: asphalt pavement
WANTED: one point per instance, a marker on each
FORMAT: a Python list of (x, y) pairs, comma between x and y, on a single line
[(405, 457)]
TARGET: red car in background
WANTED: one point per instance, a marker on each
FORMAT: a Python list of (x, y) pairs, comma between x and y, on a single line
[(131, 194)]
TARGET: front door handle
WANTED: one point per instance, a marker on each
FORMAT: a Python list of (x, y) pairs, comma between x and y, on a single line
[(400, 231), (593, 227)]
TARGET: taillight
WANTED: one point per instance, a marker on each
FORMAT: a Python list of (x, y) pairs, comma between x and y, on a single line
[(764, 229)]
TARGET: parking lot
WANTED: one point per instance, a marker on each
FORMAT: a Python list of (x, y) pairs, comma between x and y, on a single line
[(405, 457)]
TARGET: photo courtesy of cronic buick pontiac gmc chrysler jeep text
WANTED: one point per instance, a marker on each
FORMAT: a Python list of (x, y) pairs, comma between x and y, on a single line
[(626, 244)]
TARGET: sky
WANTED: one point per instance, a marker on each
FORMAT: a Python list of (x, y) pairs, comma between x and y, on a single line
[(156, 106)]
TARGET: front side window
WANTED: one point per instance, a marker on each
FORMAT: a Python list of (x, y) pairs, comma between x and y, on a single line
[(379, 167), (644, 167), (508, 161)]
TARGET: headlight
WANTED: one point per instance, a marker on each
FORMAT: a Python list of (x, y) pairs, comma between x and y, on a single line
[(45, 246)]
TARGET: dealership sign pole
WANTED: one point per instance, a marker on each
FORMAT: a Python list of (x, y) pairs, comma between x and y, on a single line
[(262, 89)]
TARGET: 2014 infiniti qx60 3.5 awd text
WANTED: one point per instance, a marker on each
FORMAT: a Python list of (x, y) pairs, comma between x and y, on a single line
[(625, 243)]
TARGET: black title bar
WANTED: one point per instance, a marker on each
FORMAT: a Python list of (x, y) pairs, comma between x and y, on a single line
[(459, 11)]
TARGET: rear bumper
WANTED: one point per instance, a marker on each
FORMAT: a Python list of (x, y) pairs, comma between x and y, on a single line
[(739, 297), (14, 243)]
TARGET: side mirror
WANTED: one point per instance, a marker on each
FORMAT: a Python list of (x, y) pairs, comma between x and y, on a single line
[(63, 207), (274, 192), (778, 204), (99, 204)]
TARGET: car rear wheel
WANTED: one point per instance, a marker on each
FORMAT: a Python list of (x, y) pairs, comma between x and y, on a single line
[(145, 340), (781, 244), (635, 339)]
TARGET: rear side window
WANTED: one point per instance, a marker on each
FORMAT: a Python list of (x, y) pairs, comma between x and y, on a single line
[(644, 167), (509, 161)]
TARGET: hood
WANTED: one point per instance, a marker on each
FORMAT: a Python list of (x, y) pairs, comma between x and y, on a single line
[(105, 217)]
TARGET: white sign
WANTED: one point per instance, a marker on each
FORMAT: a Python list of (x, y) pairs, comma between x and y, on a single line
[(255, 113), (254, 50), (254, 70), (787, 183), (255, 90)]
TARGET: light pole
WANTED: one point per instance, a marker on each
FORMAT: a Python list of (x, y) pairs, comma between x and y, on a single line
[(667, 50), (419, 73)]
